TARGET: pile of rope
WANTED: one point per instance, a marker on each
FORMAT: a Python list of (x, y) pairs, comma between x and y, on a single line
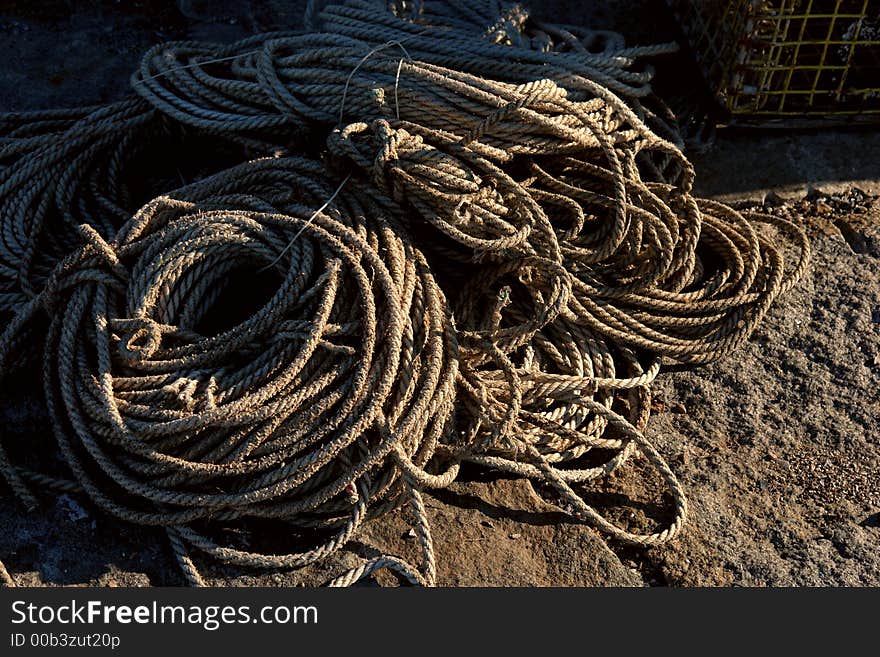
[(421, 235)]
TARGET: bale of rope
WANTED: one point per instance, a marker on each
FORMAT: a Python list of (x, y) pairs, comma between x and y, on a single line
[(334, 79), (235, 87), (319, 408), (520, 420), (50, 179), (650, 265), (506, 121), (481, 38), (658, 269)]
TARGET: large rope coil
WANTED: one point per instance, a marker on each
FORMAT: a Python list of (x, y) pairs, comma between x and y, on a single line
[(321, 407)]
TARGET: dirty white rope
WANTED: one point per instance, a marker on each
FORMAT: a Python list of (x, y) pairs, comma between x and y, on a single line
[(496, 253)]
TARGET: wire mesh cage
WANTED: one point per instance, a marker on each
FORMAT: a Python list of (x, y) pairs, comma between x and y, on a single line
[(788, 59)]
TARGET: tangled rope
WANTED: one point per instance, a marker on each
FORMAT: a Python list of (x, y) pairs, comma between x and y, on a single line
[(321, 407), (498, 40), (485, 254), (297, 81), (94, 167)]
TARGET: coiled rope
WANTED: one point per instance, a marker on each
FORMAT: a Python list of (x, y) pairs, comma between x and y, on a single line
[(489, 254), (94, 167), (320, 408)]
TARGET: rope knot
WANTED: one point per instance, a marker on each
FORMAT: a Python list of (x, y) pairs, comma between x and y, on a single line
[(391, 144), (342, 143), (142, 340), (510, 27), (378, 153), (185, 391)]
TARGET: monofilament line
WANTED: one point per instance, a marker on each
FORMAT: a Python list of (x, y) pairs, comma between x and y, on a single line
[(306, 225), (364, 59), (203, 63)]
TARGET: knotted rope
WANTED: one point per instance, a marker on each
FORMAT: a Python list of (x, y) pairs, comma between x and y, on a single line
[(491, 260)]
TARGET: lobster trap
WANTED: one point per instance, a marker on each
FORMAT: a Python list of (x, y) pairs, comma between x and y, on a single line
[(792, 60)]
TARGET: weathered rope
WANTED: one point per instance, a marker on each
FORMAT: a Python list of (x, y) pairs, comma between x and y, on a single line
[(687, 278), (481, 38), (49, 189), (93, 167), (463, 35), (351, 361), (495, 254), (293, 82)]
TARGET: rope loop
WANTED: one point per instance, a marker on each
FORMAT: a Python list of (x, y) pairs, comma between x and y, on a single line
[(488, 261)]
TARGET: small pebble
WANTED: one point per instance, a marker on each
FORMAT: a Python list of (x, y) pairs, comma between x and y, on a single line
[(772, 199)]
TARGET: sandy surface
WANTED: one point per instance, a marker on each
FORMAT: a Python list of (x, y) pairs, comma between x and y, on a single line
[(777, 446)]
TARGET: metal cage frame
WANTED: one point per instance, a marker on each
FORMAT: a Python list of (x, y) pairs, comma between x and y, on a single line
[(788, 59)]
